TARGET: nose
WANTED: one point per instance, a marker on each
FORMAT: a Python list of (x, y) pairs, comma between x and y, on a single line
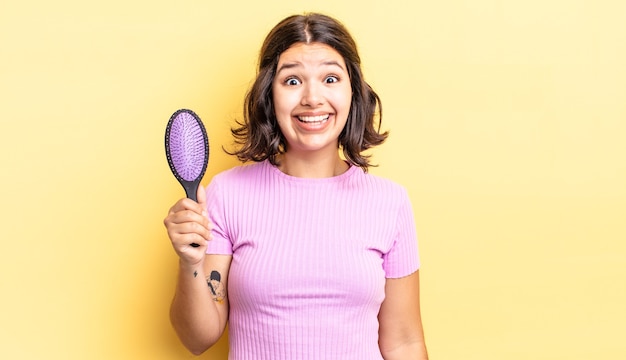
[(312, 95)]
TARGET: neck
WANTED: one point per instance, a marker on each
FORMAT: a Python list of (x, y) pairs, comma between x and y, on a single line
[(312, 166)]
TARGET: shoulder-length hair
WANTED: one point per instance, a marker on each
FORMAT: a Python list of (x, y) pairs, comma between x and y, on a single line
[(259, 137)]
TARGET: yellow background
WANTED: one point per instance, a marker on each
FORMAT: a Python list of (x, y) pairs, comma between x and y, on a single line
[(508, 127)]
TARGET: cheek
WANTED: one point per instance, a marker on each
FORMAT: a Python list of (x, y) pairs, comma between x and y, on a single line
[(284, 102), (344, 103), (346, 97)]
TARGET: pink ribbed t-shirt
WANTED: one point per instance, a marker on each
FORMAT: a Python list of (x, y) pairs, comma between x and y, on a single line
[(310, 259)]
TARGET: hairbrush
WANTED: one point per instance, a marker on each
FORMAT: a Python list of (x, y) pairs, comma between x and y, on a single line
[(187, 150)]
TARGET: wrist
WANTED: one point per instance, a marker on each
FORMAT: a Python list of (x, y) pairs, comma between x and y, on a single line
[(190, 267)]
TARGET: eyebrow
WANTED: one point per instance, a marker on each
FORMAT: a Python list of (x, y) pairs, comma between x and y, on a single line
[(291, 65)]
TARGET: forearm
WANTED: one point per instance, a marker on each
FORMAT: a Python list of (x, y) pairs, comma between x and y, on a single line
[(193, 313), (410, 351)]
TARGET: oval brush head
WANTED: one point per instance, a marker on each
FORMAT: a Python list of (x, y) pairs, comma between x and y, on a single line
[(187, 149)]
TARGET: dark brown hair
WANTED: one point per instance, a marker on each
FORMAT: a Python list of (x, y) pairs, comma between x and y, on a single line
[(259, 136)]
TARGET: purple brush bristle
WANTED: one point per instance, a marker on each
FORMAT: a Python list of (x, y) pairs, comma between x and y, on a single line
[(187, 146), (187, 149)]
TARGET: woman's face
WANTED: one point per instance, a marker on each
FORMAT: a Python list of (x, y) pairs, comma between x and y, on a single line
[(312, 96)]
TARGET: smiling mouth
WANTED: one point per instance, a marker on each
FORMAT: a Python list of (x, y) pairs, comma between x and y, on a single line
[(313, 119)]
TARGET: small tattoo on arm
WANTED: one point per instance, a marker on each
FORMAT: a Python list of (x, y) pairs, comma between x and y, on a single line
[(195, 273), (214, 281)]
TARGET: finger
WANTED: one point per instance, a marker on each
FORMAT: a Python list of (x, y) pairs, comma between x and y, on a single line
[(183, 204), (184, 216), (194, 227), (187, 222), (182, 239), (202, 199)]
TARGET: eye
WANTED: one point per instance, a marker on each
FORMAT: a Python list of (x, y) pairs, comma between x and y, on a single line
[(331, 79), (292, 82)]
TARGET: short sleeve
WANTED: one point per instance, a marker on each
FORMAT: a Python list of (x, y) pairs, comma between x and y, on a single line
[(221, 243), (403, 257)]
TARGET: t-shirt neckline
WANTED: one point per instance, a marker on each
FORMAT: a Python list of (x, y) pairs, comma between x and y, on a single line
[(327, 180)]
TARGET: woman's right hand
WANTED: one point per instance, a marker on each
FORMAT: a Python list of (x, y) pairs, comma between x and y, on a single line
[(187, 223)]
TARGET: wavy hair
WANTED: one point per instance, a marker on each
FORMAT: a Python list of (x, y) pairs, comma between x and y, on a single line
[(259, 137)]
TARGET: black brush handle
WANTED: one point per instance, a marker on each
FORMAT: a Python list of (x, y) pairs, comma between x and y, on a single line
[(191, 190)]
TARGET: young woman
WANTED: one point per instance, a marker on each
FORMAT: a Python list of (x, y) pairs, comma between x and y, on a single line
[(302, 252)]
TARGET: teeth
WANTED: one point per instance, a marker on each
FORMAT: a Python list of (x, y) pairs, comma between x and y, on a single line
[(312, 119)]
